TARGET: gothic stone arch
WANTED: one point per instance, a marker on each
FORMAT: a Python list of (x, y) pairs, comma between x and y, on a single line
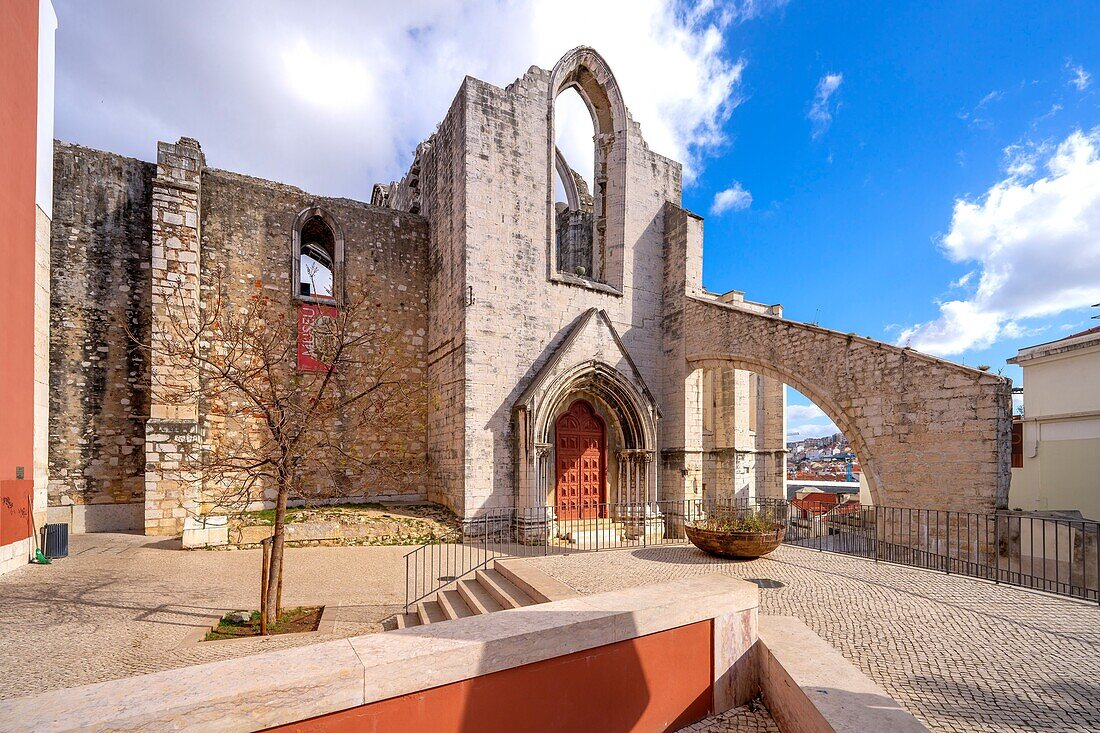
[(337, 255), (630, 415), (929, 433), (584, 70)]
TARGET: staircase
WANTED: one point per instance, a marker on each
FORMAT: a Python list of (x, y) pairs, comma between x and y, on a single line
[(503, 585)]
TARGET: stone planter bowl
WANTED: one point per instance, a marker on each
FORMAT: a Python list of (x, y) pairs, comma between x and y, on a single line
[(735, 544)]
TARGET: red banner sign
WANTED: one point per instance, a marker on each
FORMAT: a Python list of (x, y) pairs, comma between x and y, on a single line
[(316, 337)]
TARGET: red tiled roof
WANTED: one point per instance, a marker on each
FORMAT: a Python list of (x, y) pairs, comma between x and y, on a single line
[(821, 503)]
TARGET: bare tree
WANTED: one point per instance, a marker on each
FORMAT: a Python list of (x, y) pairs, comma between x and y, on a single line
[(286, 412)]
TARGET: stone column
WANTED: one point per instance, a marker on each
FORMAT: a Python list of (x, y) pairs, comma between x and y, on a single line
[(771, 440), (542, 475), (534, 518), (681, 435), (172, 491), (650, 482)]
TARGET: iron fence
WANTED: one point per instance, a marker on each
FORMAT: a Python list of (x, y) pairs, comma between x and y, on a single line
[(534, 531), (1050, 554)]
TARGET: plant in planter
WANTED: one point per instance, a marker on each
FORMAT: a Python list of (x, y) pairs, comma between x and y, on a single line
[(743, 535)]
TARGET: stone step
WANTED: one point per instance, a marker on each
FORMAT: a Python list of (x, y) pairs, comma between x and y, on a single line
[(407, 620), (453, 605), (507, 584), (503, 590), (541, 587), (430, 612), (477, 598)]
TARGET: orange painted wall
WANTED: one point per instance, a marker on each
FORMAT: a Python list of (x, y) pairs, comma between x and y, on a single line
[(18, 133), (658, 682), (15, 511)]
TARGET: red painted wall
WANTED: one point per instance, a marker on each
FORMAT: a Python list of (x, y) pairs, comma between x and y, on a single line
[(658, 682), (18, 133), (15, 511)]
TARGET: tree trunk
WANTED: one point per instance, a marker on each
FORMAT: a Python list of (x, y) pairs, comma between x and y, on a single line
[(275, 570)]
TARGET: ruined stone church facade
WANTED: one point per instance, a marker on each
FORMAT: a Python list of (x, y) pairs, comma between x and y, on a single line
[(573, 356)]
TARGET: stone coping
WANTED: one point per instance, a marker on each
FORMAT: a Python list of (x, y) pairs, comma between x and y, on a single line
[(537, 584), (809, 686), (279, 687)]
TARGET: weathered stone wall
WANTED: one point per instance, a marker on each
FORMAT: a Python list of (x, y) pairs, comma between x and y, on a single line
[(247, 225), (499, 306), (520, 309), (928, 433), (99, 287), (438, 179), (742, 436), (173, 427), (681, 460), (488, 312), (119, 225)]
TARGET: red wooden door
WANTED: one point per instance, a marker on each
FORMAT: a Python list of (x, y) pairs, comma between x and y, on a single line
[(580, 462)]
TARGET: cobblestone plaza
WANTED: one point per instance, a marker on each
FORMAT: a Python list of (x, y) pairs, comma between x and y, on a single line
[(961, 654)]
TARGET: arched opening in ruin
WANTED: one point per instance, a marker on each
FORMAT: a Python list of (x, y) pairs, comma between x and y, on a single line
[(587, 172), (575, 150), (746, 426), (627, 446), (821, 465), (318, 257)]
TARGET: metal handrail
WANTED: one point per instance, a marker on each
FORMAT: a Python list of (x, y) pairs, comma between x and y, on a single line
[(509, 532), (1051, 554)]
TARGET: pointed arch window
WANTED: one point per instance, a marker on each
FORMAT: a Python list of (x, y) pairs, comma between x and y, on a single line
[(318, 258), (587, 197)]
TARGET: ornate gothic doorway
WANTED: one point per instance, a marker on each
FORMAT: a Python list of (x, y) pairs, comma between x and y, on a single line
[(581, 463)]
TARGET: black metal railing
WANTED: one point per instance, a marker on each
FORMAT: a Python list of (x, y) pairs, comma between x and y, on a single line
[(1050, 554), (534, 531)]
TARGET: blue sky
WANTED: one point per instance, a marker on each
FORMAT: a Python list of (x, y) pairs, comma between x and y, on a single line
[(924, 173), (847, 218)]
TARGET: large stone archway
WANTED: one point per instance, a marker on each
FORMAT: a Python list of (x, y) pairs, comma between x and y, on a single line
[(929, 433), (807, 387)]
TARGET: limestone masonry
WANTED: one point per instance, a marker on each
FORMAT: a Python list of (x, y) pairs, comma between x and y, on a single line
[(573, 356)]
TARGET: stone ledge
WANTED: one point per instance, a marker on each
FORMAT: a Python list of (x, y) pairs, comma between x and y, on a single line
[(537, 584), (808, 686), (564, 278), (275, 688)]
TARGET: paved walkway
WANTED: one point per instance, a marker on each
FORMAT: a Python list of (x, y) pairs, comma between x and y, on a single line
[(960, 654), (122, 605), (744, 719)]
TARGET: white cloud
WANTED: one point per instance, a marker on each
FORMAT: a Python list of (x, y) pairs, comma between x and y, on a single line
[(963, 281), (327, 81), (1078, 76), (1037, 240), (821, 111), (975, 116), (808, 421), (734, 198), (338, 100), (993, 96), (812, 430), (804, 412)]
